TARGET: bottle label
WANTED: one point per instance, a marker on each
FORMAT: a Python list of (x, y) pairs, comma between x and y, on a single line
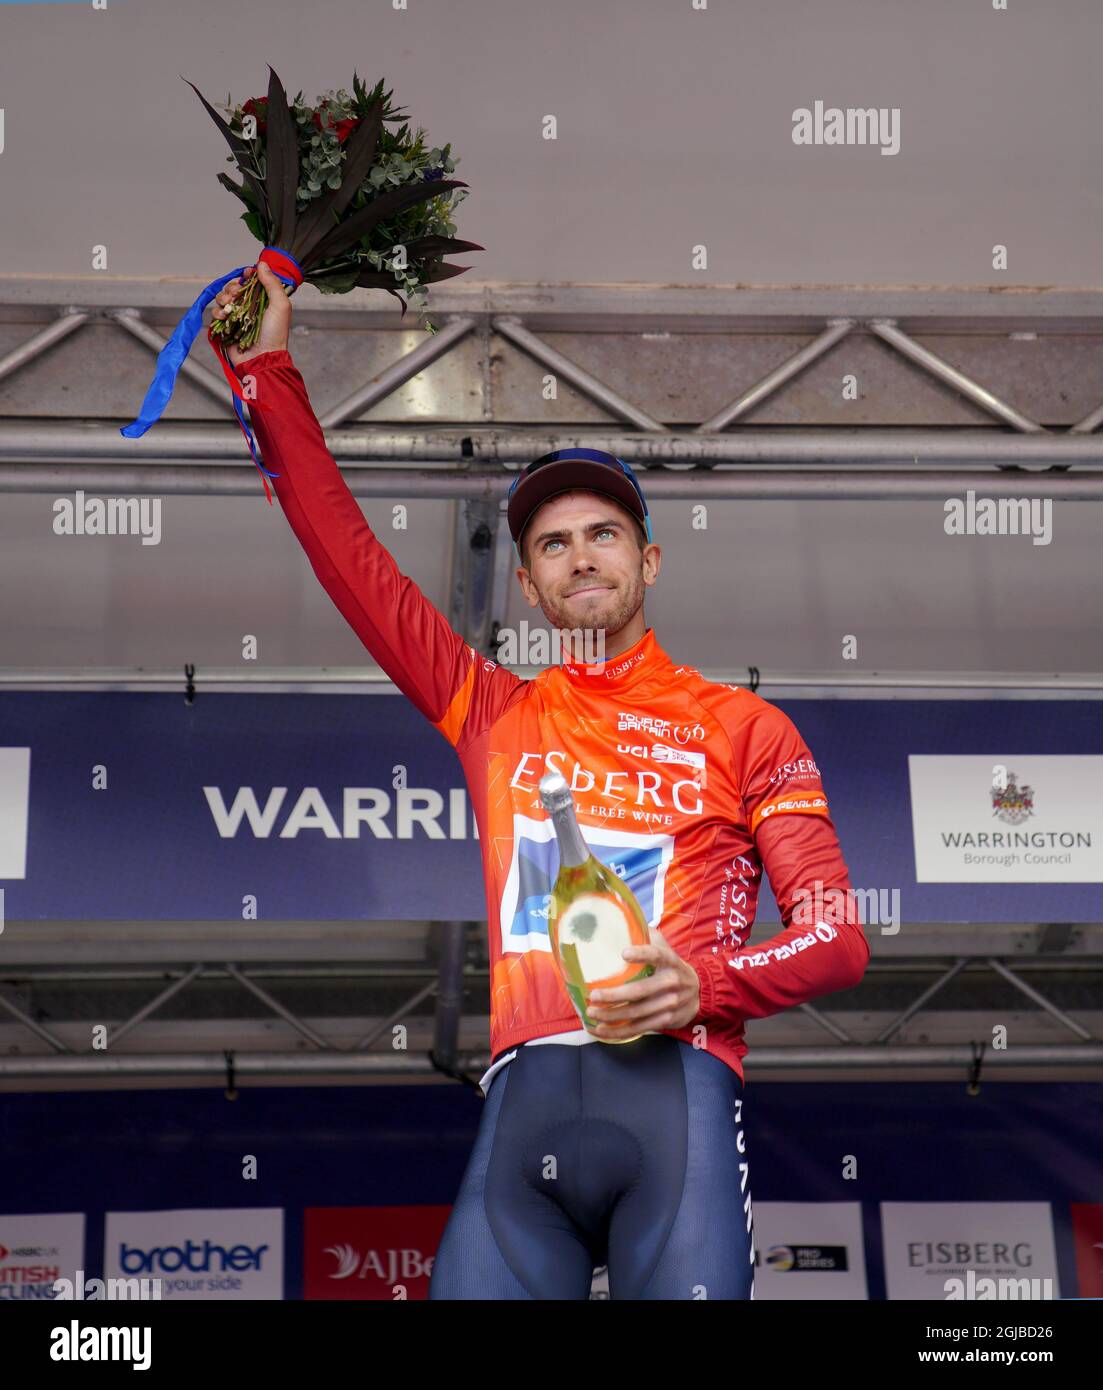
[(591, 935), (598, 927)]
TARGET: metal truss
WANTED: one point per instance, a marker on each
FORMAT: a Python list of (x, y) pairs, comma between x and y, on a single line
[(945, 377), (957, 685), (718, 392), (859, 1033)]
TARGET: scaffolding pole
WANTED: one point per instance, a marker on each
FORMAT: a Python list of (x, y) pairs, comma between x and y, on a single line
[(1078, 1057)]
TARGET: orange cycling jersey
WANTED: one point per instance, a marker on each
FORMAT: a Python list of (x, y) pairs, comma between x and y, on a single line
[(689, 788)]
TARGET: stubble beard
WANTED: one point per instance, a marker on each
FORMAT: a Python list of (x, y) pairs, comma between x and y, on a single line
[(608, 616)]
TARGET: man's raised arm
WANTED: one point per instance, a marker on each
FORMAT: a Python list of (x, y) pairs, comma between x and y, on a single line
[(406, 634)]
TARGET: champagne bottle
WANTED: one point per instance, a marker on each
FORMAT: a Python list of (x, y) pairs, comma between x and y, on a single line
[(592, 913)]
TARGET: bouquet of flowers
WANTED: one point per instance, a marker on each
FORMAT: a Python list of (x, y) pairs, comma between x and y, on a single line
[(351, 202), (337, 200)]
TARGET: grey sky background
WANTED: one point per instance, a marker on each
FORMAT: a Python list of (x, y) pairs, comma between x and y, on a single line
[(674, 129)]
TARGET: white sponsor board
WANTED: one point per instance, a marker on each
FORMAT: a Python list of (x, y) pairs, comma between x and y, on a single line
[(928, 1245), (809, 1250), (37, 1250), (1007, 819), (15, 787), (232, 1253)]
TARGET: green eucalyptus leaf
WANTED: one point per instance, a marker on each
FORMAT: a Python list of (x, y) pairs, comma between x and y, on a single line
[(252, 221)]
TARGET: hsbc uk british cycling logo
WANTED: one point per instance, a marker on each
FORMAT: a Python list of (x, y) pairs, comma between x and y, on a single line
[(641, 860)]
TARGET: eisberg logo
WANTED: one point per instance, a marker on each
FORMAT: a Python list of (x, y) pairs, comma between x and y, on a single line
[(799, 771), (615, 785)]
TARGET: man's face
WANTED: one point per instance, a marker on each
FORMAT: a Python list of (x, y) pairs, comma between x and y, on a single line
[(583, 563)]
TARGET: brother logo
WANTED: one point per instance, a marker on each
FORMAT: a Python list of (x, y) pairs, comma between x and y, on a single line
[(192, 1256)]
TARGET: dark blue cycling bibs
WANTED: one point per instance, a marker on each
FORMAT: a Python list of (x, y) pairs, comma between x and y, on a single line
[(631, 1156)]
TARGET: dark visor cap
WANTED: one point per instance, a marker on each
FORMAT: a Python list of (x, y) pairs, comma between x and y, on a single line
[(574, 470)]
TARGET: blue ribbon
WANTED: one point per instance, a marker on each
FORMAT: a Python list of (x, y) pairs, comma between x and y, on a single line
[(173, 354)]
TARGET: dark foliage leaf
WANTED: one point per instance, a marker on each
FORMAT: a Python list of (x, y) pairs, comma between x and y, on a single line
[(427, 247), (282, 178), (241, 152), (260, 197), (444, 271), (237, 189), (349, 232), (381, 280), (237, 145)]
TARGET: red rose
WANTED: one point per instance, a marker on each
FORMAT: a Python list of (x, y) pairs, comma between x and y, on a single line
[(252, 108), (343, 128)]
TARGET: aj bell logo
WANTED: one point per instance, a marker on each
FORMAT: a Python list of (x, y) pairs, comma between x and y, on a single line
[(401, 1265)]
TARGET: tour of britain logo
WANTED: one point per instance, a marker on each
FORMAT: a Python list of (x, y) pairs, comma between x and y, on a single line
[(1012, 804)]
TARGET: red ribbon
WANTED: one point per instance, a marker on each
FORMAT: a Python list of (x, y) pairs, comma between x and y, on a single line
[(288, 271)]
